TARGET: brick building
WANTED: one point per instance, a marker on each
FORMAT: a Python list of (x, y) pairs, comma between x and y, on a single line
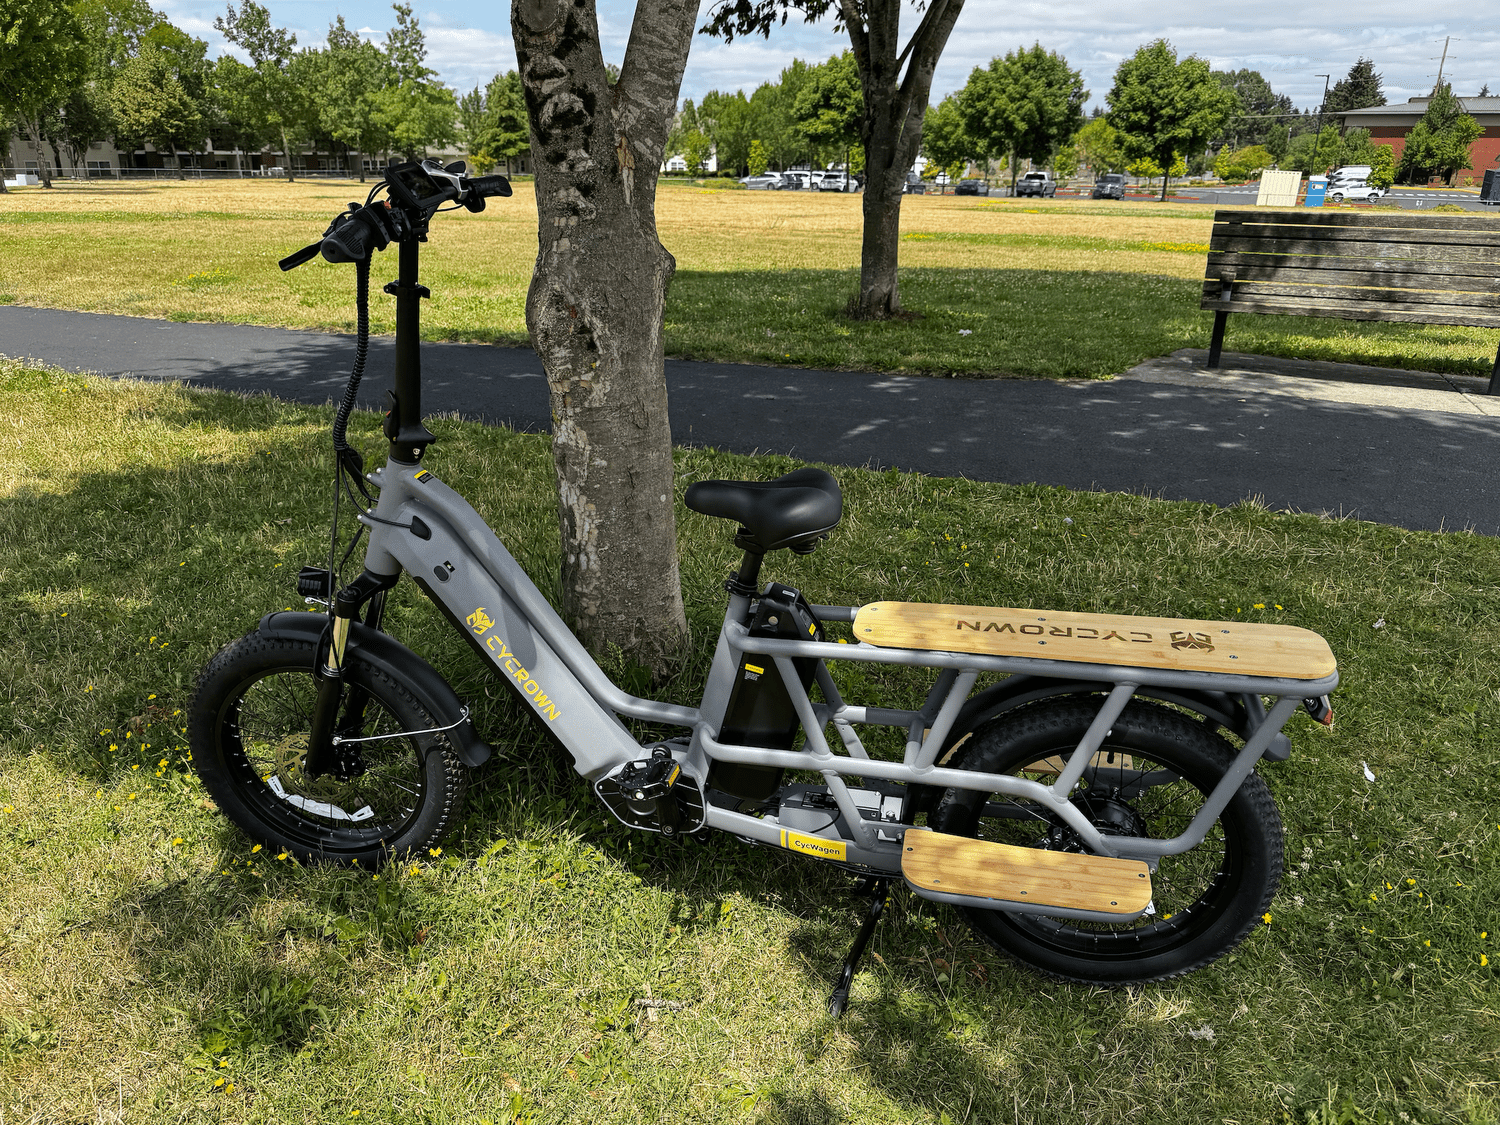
[(1389, 124)]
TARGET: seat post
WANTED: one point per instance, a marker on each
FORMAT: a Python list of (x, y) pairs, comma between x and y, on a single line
[(745, 583)]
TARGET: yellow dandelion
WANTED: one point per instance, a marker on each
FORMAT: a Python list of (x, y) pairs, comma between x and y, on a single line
[(1483, 934), (434, 852), (1428, 943), (1260, 605), (1389, 887), (223, 1063), (1373, 898), (131, 797), (218, 1082), (152, 696), (1483, 960), (1266, 917), (281, 856), (177, 841), (229, 1089), (1278, 607), (1411, 882), (255, 849), (136, 766), (113, 747)]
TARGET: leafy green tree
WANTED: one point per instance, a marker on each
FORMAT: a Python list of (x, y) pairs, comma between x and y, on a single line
[(696, 148), (1163, 108), (728, 121), (86, 119), (895, 82), (1313, 154), (829, 108), (269, 93), (416, 111), (945, 141), (43, 59), (348, 100), (150, 103), (1243, 164), (1260, 108), (1382, 164), (1278, 140), (1098, 146), (1439, 143), (494, 121), (1026, 104), (1359, 90), (758, 160), (235, 120)]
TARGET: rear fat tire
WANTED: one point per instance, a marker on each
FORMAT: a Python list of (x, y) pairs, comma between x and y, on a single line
[(1206, 901), (249, 723)]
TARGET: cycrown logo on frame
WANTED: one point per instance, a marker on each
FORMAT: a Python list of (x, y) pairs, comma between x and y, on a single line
[(480, 622)]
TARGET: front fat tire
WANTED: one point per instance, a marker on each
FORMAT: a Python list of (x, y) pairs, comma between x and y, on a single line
[(248, 725), (1206, 900)]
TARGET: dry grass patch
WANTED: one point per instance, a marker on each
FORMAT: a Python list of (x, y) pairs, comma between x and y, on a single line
[(1049, 288)]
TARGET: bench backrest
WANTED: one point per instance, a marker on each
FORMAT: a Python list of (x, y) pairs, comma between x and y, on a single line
[(1432, 269)]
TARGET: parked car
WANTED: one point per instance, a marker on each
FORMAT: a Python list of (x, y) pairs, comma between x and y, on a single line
[(1359, 191), (1036, 183), (1111, 185), (796, 181), (837, 181), (766, 181), (972, 187), (914, 185)]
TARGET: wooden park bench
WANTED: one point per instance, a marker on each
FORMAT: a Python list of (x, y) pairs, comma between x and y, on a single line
[(1422, 269)]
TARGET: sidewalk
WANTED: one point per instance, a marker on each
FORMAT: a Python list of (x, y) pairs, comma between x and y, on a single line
[(1416, 450)]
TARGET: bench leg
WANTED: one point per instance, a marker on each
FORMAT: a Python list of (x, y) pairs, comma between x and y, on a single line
[(1495, 374), (1216, 344)]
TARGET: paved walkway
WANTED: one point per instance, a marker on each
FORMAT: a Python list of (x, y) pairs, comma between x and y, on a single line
[(1406, 448)]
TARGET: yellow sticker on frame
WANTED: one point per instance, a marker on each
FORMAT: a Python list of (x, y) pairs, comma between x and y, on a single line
[(814, 846)]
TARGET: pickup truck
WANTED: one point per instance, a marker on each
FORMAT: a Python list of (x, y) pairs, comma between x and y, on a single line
[(1036, 183)]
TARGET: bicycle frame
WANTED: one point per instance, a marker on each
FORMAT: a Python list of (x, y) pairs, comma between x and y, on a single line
[(426, 528)]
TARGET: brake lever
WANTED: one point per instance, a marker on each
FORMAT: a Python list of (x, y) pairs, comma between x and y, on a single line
[(306, 254)]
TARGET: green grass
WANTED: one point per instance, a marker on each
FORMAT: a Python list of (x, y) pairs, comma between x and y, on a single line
[(146, 951)]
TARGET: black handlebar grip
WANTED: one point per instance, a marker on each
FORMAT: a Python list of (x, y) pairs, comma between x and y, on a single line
[(348, 242), (488, 186), (306, 254)]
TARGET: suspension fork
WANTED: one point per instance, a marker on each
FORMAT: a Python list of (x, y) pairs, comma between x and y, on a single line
[(322, 757)]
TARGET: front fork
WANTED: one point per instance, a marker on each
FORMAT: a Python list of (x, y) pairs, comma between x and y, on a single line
[(323, 755)]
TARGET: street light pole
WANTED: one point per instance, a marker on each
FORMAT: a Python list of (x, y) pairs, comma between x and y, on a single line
[(1318, 141)]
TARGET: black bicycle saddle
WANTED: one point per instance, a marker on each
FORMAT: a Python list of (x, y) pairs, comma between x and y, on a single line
[(792, 511)]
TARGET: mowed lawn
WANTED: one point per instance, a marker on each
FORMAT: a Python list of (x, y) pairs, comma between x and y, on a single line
[(550, 966), (1054, 288)]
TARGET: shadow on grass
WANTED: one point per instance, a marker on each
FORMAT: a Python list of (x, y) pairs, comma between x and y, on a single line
[(1034, 323)]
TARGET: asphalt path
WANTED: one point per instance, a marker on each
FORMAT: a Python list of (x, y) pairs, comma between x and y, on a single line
[(1416, 468)]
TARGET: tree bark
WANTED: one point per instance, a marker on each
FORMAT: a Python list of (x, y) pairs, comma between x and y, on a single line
[(596, 309), (286, 153), (891, 130)]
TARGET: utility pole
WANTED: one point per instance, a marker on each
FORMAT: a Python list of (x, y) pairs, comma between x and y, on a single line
[(1442, 62), (1318, 140)]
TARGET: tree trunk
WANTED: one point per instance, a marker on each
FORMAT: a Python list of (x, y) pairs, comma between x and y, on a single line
[(885, 180), (891, 131), (286, 153), (34, 135), (596, 309)]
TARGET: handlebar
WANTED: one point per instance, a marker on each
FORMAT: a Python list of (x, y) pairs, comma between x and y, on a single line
[(416, 192)]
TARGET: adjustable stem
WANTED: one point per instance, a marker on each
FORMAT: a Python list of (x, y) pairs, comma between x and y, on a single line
[(403, 425)]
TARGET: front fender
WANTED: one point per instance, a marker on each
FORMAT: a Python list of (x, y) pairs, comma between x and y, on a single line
[(401, 664)]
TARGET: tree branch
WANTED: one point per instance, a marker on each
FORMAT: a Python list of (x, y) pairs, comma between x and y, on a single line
[(651, 76)]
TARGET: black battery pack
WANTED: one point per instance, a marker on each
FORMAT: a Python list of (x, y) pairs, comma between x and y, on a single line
[(760, 711)]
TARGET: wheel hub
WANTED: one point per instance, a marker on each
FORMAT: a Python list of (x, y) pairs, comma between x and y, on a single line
[(1107, 813)]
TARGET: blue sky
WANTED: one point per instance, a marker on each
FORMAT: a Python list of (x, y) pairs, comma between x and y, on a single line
[(1290, 43)]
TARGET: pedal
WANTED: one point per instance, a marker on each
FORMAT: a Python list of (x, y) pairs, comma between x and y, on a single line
[(993, 876), (653, 794)]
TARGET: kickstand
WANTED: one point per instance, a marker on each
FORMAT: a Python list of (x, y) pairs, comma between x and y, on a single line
[(879, 891)]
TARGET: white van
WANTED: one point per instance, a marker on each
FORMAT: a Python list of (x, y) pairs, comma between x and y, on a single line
[(1349, 175)]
